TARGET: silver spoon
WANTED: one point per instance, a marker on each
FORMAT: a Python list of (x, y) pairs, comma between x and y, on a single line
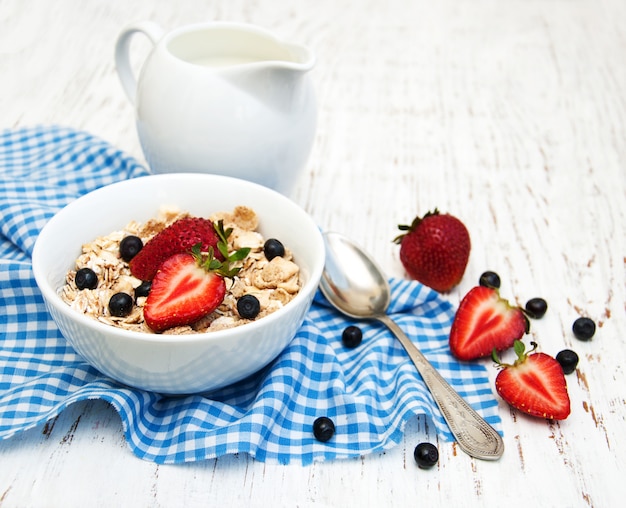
[(354, 284)]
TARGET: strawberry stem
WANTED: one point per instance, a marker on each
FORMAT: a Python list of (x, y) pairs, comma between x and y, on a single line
[(520, 351), (210, 263), (413, 226)]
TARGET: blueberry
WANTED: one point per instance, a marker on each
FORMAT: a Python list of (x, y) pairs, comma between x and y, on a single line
[(143, 289), (490, 280), (120, 304), (130, 246), (536, 307), (426, 455), (568, 360), (248, 306), (351, 336), (323, 429), (273, 248), (86, 278), (584, 328)]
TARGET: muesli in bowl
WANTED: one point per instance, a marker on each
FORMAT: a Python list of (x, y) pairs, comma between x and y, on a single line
[(113, 278), (167, 362)]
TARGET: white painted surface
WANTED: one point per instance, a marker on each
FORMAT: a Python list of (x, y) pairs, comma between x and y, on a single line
[(509, 114)]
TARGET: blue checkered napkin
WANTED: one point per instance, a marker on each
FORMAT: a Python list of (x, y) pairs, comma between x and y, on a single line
[(369, 392), (42, 170)]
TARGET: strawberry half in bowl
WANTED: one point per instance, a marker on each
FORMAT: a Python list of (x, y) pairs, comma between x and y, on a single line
[(159, 361)]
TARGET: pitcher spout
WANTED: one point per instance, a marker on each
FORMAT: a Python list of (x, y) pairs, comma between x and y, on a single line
[(302, 60), (273, 73)]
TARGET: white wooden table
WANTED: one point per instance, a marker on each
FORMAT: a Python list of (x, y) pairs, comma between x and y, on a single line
[(509, 114)]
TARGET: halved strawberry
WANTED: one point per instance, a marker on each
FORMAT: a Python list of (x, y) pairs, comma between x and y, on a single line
[(485, 321), (182, 292), (178, 237), (534, 384), (188, 286)]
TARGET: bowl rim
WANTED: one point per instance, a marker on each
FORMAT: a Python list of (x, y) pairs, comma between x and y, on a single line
[(51, 296)]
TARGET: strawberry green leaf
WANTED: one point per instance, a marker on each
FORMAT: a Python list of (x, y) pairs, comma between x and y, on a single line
[(518, 347), (223, 248), (240, 254), (495, 357)]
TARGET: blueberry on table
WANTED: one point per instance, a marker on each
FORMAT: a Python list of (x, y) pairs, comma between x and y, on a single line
[(426, 455), (351, 336), (273, 248), (130, 247), (121, 304), (323, 429), (584, 328), (568, 360), (86, 278), (248, 306), (489, 279), (536, 308)]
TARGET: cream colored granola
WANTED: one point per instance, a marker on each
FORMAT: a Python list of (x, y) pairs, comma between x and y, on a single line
[(274, 282)]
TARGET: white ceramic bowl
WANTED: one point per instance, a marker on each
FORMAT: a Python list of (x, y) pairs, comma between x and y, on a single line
[(167, 363)]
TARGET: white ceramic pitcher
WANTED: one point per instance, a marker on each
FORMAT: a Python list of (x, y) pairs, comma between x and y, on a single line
[(223, 98)]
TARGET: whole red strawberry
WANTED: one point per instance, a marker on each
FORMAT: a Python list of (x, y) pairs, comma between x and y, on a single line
[(179, 237), (534, 383), (434, 250)]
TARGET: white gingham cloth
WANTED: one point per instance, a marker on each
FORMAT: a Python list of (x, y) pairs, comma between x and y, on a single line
[(369, 392)]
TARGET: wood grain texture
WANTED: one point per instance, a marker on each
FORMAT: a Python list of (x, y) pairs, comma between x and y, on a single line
[(510, 115)]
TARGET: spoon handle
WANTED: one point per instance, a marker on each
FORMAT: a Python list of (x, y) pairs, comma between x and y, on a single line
[(473, 434)]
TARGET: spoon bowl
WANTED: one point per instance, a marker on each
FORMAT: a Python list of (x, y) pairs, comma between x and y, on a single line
[(355, 285), (352, 281)]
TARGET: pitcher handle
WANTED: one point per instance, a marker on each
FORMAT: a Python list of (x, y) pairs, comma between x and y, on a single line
[(122, 53)]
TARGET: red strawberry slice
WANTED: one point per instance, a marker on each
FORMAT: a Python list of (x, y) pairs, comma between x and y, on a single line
[(534, 384), (485, 321), (182, 292), (179, 237)]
